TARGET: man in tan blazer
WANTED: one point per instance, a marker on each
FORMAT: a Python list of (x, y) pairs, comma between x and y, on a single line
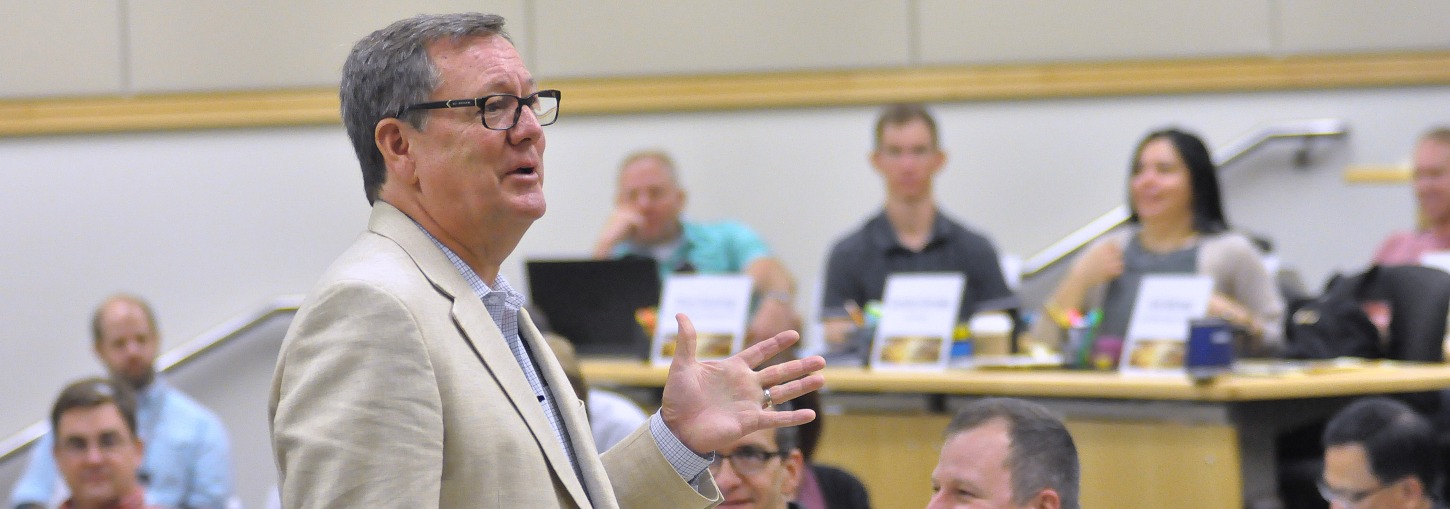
[(412, 378)]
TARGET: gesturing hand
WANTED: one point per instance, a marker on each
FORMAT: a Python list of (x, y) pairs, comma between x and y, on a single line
[(709, 405), (621, 224)]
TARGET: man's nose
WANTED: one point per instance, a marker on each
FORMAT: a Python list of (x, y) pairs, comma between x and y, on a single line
[(93, 454), (936, 501), (726, 480), (527, 128)]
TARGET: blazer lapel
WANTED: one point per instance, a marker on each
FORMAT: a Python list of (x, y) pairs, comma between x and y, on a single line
[(479, 330), (476, 327)]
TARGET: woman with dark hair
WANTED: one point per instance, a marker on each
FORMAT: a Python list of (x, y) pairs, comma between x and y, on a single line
[(1177, 226)]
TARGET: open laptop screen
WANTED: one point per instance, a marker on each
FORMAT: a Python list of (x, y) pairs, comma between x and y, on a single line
[(593, 302)]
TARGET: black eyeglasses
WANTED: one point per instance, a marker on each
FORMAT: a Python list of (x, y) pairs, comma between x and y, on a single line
[(746, 460), (501, 111), (1347, 498)]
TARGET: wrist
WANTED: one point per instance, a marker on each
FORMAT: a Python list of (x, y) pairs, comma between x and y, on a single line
[(605, 246)]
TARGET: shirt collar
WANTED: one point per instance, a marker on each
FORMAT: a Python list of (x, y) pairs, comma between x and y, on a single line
[(153, 391), (512, 298), (136, 500), (689, 234), (882, 235)]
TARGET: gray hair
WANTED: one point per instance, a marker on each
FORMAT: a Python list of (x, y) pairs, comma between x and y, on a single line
[(390, 69), (1042, 454)]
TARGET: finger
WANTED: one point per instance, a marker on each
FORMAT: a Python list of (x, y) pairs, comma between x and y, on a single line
[(684, 340), (795, 388), (759, 352), (792, 370), (777, 419)]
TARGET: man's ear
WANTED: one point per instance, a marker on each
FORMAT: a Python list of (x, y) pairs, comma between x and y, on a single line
[(1046, 499), (941, 161), (875, 158), (795, 465), (393, 139), (1412, 489)]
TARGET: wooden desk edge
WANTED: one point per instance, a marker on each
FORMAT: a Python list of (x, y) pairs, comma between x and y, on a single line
[(1070, 384)]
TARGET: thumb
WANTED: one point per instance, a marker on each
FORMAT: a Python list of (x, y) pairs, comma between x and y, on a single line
[(684, 340)]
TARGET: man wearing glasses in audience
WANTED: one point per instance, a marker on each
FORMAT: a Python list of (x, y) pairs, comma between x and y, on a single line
[(760, 471), (1380, 454), (189, 461), (96, 446)]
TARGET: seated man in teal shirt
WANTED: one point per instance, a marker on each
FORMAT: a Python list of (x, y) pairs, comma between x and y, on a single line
[(647, 222)]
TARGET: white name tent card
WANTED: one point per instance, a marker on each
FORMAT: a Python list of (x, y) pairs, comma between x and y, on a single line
[(1158, 332), (1436, 260), (918, 315), (717, 305)]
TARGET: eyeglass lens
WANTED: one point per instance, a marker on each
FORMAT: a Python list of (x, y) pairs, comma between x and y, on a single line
[(78, 446), (745, 461), (1347, 499), (503, 111)]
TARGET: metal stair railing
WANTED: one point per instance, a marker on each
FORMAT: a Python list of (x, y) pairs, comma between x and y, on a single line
[(172, 359)]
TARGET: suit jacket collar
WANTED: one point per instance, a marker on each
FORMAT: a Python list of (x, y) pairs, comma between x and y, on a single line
[(487, 342)]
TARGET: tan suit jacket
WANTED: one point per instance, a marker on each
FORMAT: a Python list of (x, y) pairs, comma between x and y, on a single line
[(395, 388)]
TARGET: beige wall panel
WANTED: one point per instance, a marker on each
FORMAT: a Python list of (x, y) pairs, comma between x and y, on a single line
[(1013, 31), (1308, 26), (182, 45), (39, 36), (638, 37)]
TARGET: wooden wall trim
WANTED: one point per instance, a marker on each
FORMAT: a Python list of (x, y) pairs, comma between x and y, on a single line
[(1379, 174), (604, 96), (168, 112)]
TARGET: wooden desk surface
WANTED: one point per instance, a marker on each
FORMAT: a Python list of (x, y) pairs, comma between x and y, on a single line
[(1367, 379)]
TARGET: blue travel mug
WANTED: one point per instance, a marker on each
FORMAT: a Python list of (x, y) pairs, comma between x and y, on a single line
[(1210, 348)]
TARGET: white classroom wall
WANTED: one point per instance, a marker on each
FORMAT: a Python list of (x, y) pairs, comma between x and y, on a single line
[(209, 224)]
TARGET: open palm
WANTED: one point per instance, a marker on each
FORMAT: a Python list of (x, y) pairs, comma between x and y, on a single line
[(709, 405)]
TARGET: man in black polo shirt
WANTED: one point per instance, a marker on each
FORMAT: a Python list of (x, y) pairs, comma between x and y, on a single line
[(910, 234)]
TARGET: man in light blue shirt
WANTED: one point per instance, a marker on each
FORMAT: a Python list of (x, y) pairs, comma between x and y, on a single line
[(187, 460), (647, 221)]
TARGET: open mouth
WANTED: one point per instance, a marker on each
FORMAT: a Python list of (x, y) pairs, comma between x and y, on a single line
[(528, 170)]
